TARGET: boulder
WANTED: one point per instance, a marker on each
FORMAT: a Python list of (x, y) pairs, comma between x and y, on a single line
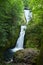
[(27, 56)]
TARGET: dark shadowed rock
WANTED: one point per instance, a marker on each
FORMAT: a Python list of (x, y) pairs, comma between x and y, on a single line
[(8, 55)]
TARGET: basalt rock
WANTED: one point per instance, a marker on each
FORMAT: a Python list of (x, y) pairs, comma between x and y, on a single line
[(27, 56)]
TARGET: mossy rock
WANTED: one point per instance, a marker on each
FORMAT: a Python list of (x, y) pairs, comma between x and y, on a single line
[(27, 56)]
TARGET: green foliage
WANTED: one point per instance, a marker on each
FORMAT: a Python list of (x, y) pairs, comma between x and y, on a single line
[(26, 3), (18, 9), (40, 58), (11, 12), (34, 34)]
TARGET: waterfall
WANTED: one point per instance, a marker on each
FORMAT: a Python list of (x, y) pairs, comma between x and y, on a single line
[(20, 41), (21, 37), (8, 55), (28, 15)]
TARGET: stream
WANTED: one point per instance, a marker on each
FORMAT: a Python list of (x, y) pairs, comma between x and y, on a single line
[(20, 41)]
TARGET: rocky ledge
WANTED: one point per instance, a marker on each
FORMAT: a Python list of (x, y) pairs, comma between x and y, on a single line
[(26, 57)]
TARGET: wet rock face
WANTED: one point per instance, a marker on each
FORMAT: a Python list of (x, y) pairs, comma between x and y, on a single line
[(27, 56)]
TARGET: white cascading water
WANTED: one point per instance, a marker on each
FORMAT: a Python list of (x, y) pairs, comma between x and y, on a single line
[(28, 15), (20, 41), (21, 38)]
